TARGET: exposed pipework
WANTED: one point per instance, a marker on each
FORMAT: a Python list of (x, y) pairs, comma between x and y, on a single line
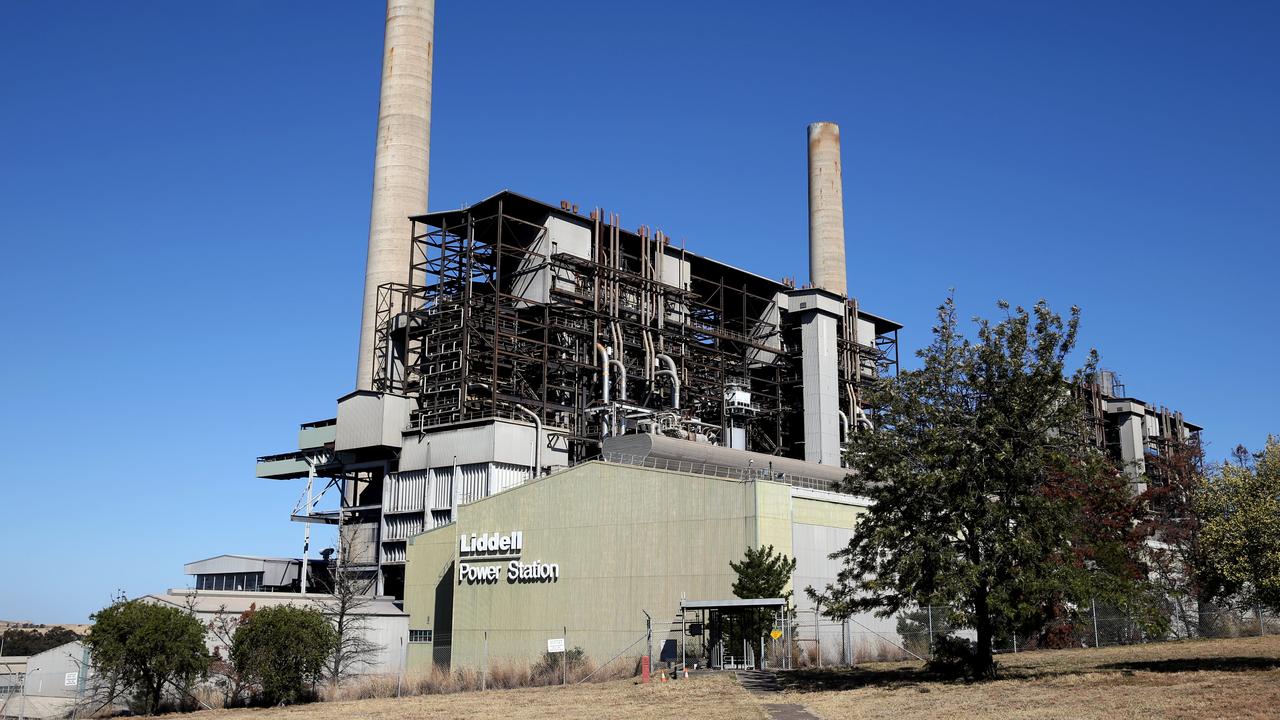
[(537, 426), (537, 439), (826, 210), (604, 372), (400, 160), (622, 377), (675, 379), (616, 361), (648, 355)]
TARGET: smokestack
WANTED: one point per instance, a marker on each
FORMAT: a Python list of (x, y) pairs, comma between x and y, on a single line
[(400, 161), (826, 210)]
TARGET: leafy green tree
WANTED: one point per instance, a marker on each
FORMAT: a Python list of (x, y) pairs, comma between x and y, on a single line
[(282, 651), (988, 495), (143, 649), (762, 573), (1240, 533)]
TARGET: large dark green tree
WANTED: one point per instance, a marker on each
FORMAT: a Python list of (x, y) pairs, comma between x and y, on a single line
[(282, 651), (143, 650), (988, 495)]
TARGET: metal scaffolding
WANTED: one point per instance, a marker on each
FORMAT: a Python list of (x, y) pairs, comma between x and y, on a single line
[(632, 331)]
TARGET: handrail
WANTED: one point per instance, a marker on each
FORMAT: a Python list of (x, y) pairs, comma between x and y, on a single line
[(720, 471)]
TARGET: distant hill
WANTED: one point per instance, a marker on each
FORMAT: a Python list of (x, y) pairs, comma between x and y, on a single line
[(24, 638)]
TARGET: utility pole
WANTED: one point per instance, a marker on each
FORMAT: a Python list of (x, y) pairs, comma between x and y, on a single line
[(22, 712), (648, 640), (306, 525)]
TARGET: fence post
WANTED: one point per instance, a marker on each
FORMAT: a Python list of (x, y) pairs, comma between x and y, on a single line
[(1093, 610), (930, 610), (817, 634), (484, 673), (564, 661), (1262, 629)]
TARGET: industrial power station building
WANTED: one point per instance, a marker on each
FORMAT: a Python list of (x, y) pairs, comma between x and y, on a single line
[(561, 424), (589, 552)]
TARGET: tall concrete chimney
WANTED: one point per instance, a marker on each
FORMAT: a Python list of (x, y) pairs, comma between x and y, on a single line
[(826, 210), (400, 161)]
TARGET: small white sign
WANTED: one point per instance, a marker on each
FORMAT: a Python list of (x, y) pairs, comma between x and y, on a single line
[(555, 645), (71, 679)]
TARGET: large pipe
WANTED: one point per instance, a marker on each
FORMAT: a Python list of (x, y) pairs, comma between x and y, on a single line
[(400, 160), (675, 379), (622, 377), (604, 372), (826, 210)]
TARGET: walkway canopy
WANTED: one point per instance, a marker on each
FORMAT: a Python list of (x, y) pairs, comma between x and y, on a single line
[(733, 604)]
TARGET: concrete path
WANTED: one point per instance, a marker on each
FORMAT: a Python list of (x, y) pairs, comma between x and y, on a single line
[(763, 684)]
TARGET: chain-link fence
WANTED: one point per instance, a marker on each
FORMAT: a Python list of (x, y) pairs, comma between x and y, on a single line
[(810, 639)]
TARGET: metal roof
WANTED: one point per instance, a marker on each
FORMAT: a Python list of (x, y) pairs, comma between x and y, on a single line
[(245, 557), (732, 603), (214, 601), (432, 218)]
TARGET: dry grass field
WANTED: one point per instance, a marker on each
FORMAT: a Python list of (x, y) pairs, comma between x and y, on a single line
[(1237, 678), (712, 697)]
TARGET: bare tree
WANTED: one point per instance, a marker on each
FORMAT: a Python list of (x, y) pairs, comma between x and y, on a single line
[(225, 677), (351, 593)]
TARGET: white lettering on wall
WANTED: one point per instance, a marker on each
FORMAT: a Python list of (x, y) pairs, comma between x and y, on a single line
[(497, 546), (491, 543), (518, 572)]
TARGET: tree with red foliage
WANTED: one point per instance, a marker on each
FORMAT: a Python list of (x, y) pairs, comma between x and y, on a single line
[(1171, 528)]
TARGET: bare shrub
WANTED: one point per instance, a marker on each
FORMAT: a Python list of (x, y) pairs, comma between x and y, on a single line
[(876, 649), (363, 687), (505, 674)]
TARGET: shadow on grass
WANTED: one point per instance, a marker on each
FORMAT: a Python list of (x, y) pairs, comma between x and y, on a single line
[(1217, 664), (815, 680)]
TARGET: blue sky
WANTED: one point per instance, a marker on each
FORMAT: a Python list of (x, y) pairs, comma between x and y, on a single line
[(184, 197)]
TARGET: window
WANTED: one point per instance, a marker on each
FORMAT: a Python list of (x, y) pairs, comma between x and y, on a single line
[(229, 581), (419, 636)]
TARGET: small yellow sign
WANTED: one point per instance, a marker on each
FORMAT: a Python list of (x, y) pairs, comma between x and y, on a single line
[(775, 634)]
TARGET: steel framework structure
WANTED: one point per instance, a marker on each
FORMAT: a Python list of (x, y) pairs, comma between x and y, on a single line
[(608, 338)]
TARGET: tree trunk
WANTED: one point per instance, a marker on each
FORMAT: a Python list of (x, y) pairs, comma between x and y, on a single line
[(1207, 616), (984, 667), (156, 692)]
